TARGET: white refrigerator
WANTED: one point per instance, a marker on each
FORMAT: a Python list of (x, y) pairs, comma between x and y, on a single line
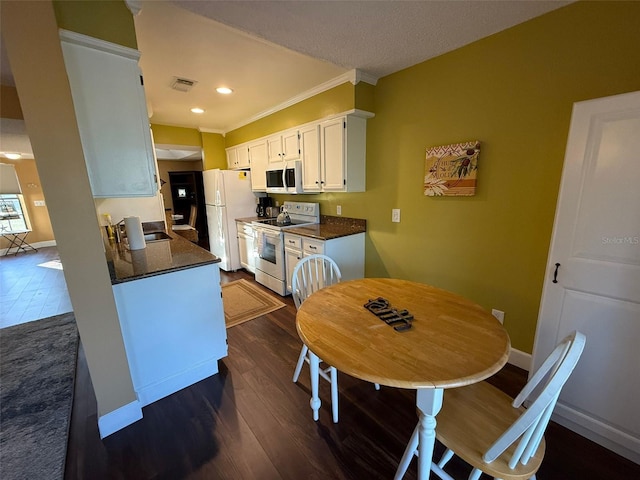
[(228, 196)]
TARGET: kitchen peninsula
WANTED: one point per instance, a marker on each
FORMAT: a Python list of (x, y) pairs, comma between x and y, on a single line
[(169, 305)]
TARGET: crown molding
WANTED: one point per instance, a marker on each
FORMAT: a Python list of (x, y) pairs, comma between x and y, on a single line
[(212, 130), (352, 76), (98, 44)]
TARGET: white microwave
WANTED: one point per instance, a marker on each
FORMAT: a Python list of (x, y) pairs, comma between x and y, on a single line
[(285, 180)]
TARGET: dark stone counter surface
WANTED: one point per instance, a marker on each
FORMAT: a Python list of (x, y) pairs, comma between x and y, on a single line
[(331, 227), (159, 257), (252, 219)]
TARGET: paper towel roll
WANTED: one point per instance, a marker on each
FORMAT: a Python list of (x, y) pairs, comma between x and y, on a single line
[(133, 227)]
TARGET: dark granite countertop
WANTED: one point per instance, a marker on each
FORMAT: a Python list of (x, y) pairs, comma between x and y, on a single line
[(331, 227), (252, 219), (159, 257)]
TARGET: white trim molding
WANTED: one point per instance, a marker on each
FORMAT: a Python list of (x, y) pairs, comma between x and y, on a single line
[(353, 76), (98, 44), (520, 359), (118, 419), (46, 243)]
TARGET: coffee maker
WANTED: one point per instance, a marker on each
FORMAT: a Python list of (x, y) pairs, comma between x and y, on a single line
[(263, 203)]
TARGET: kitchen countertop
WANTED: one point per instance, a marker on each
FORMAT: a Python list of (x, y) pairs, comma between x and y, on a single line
[(252, 219), (331, 227), (159, 257)]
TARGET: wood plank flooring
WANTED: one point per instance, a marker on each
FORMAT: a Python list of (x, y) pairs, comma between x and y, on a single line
[(252, 422)]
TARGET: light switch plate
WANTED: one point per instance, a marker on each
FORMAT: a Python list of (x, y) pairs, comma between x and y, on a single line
[(395, 215), (39, 203)]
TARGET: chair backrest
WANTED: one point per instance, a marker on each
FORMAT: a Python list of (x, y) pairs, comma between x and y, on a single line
[(193, 215), (542, 390), (311, 274)]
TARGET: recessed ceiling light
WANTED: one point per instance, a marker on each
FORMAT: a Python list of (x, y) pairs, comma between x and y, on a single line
[(197, 110), (12, 156), (224, 90)]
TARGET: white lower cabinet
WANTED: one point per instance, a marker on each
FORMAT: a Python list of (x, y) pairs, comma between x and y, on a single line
[(173, 329), (347, 252)]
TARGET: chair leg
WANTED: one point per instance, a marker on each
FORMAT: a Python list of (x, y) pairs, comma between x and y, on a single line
[(446, 456), (409, 452), (475, 474), (303, 354), (334, 393)]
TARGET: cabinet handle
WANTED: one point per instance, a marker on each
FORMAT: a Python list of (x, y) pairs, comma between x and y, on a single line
[(312, 247)]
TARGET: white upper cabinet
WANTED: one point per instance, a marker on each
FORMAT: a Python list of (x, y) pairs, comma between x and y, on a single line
[(334, 155), (310, 146), (283, 146), (238, 157), (110, 106), (259, 161)]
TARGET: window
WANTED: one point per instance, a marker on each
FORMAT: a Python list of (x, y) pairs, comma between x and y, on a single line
[(13, 216)]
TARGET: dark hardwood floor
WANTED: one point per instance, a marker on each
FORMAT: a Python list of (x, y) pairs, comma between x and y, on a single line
[(251, 422)]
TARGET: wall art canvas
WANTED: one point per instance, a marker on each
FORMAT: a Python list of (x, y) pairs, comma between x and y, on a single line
[(450, 170)]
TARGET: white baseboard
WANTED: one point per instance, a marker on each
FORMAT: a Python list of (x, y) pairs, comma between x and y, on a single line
[(520, 359), (119, 418), (153, 392), (609, 437), (46, 243)]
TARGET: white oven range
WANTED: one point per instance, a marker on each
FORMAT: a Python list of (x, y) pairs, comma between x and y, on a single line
[(270, 267)]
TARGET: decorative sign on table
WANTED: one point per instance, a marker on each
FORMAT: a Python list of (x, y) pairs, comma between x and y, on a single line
[(400, 320), (450, 170)]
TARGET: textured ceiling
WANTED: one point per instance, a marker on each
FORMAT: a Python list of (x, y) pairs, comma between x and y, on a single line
[(273, 52)]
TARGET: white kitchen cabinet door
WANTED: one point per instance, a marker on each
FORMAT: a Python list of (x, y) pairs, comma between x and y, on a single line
[(232, 158), (110, 106), (310, 152), (291, 145), (238, 157), (283, 147), (259, 161), (242, 156), (332, 169)]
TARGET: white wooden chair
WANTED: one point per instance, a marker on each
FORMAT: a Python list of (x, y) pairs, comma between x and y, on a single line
[(473, 417), (311, 274)]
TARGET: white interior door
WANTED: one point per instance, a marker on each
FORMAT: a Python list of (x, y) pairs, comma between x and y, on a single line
[(596, 242)]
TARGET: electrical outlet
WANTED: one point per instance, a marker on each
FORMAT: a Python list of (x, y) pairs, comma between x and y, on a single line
[(498, 314), (38, 203), (339, 210), (395, 215)]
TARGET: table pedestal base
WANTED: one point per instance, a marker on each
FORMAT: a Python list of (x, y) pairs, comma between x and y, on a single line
[(423, 439)]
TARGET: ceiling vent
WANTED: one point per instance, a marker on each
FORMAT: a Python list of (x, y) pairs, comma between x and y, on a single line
[(182, 84)]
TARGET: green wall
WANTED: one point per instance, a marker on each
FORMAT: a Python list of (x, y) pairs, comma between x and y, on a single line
[(213, 154), (170, 135), (335, 100), (514, 92), (108, 20)]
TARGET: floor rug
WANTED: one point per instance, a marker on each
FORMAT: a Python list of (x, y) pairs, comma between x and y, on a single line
[(37, 372), (244, 301)]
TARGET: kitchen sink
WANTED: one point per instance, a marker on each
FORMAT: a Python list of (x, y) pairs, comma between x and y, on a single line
[(156, 236)]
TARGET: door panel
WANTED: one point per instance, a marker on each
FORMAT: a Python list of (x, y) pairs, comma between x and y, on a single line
[(597, 246)]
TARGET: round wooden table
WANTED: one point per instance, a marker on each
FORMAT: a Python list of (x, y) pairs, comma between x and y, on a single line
[(452, 342)]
